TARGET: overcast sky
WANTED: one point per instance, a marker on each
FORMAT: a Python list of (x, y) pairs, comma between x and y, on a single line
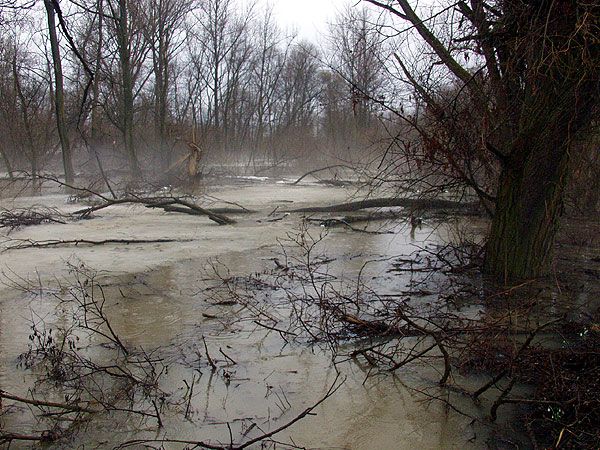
[(310, 17)]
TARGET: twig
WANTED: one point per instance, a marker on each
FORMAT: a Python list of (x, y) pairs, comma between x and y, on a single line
[(268, 327), (160, 424), (210, 361), (190, 393), (201, 444), (73, 408), (227, 356)]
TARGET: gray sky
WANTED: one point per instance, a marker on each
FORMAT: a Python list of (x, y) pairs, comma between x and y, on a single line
[(310, 17)]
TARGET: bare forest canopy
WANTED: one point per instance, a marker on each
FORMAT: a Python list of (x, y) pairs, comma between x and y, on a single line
[(136, 84)]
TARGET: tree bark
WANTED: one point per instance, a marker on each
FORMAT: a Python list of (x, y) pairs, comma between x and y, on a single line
[(528, 210), (59, 97), (556, 107)]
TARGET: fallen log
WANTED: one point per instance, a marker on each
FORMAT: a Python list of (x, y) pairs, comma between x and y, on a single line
[(28, 243), (369, 217), (197, 210), (321, 170), (413, 203), (194, 212), (335, 221), (182, 206), (8, 438)]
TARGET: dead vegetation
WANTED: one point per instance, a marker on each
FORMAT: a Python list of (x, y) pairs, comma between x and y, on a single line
[(513, 344), (85, 369), (14, 219), (548, 351)]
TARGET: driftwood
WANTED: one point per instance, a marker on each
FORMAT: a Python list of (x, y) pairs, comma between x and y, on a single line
[(413, 203), (28, 243), (340, 221), (172, 204), (321, 170)]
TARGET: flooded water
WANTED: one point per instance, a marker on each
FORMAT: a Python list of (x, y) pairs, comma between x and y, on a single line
[(156, 299)]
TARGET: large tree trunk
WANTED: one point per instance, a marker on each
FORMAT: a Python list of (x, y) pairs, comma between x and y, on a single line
[(551, 111), (59, 102), (528, 209), (532, 183)]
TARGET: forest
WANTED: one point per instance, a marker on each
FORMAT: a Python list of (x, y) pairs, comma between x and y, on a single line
[(220, 231)]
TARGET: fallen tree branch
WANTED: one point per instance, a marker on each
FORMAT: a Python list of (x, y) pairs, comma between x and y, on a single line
[(16, 218), (201, 444), (413, 203), (28, 243), (373, 216), (321, 170), (242, 208), (163, 203), (73, 408), (68, 186), (7, 438)]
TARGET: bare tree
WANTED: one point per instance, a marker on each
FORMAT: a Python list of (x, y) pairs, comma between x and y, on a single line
[(268, 65), (297, 107), (165, 35), (131, 51), (357, 55), (224, 42), (533, 89), (59, 95), (25, 107)]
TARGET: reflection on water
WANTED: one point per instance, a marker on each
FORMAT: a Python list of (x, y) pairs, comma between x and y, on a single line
[(163, 309)]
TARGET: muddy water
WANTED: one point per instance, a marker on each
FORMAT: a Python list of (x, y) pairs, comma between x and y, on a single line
[(155, 293)]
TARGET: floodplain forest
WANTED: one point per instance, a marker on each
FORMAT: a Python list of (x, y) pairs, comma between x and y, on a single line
[(377, 226)]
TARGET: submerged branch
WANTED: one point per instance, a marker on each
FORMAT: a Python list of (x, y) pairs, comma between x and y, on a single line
[(165, 203), (207, 445), (321, 170), (73, 408), (414, 203), (28, 243)]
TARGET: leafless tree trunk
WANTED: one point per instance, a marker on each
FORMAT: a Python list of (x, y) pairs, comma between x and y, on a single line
[(163, 32), (121, 16), (59, 96), (533, 94)]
